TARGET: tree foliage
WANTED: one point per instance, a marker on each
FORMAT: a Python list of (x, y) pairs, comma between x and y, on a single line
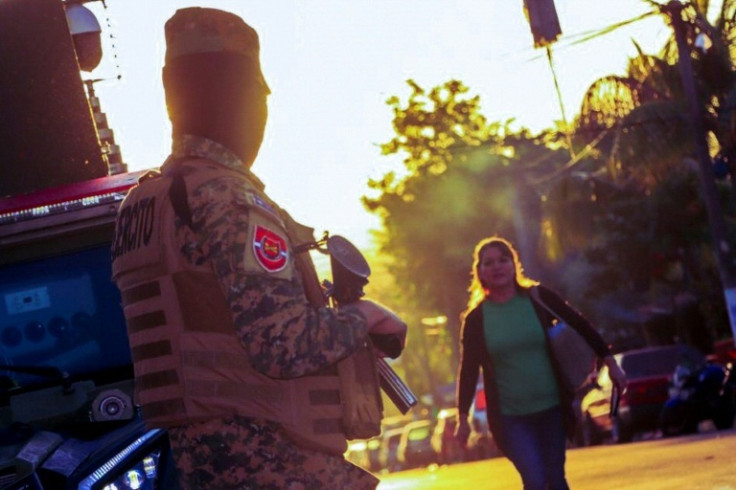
[(619, 227), (462, 179)]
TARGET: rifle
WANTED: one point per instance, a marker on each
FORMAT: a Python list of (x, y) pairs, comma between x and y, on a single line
[(350, 273)]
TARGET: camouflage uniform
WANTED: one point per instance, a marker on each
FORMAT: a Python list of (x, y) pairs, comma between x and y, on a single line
[(282, 333), (243, 453)]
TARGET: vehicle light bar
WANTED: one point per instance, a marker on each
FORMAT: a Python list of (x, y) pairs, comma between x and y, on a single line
[(100, 473), (66, 198)]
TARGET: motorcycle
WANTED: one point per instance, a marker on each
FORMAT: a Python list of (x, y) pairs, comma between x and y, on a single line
[(707, 392)]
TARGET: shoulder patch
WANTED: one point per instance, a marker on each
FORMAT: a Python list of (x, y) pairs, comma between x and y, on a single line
[(269, 248)]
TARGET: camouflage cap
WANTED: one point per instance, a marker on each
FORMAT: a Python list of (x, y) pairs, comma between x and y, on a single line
[(206, 30)]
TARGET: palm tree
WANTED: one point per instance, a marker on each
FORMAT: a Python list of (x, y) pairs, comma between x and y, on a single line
[(640, 129), (644, 114)]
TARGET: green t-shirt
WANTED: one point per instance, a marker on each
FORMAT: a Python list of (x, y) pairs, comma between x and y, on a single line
[(523, 371)]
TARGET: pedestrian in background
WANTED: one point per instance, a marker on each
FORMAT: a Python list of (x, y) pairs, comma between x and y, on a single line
[(235, 351), (530, 413)]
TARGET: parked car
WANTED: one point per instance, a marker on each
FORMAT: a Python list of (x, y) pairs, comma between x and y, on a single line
[(373, 449), (649, 371), (357, 453), (415, 447), (724, 351), (480, 443), (443, 441), (365, 453), (388, 453)]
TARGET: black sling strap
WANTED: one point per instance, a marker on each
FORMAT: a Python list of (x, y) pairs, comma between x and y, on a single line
[(178, 193)]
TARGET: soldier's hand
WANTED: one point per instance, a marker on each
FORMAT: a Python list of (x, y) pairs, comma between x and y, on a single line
[(382, 321)]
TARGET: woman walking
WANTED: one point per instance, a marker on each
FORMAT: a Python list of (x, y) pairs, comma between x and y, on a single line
[(529, 410)]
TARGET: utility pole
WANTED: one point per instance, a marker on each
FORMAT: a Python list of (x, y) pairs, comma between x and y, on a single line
[(722, 248)]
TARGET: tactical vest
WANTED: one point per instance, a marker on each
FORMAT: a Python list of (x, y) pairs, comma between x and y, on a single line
[(188, 361)]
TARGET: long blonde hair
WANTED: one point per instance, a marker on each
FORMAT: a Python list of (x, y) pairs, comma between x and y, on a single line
[(478, 291)]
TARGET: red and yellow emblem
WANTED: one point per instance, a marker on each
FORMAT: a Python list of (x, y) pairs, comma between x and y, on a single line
[(270, 249)]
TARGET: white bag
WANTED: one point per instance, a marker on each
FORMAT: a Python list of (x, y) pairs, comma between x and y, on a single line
[(572, 352)]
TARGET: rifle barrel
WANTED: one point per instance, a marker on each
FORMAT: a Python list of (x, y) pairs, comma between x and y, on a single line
[(399, 393)]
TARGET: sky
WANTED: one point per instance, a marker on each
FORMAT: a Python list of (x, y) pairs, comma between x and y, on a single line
[(332, 65)]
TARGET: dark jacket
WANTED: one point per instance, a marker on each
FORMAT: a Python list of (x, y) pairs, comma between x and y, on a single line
[(474, 355)]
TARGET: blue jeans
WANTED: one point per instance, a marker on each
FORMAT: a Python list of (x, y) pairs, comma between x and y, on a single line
[(536, 446)]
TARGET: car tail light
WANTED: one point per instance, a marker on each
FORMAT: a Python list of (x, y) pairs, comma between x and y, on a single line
[(644, 392)]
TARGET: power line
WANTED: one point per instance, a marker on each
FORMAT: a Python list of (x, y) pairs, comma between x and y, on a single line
[(570, 40)]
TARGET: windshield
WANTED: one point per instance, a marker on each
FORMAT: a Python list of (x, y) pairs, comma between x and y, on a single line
[(62, 312)]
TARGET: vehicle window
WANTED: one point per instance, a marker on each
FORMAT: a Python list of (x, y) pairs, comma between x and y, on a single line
[(651, 363), (418, 434)]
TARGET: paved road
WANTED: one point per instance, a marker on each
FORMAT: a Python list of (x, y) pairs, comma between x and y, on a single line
[(705, 461)]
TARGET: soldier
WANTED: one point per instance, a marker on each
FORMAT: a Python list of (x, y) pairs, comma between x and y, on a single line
[(235, 353)]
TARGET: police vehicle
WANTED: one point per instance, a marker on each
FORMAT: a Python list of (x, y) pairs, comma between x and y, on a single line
[(67, 418)]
